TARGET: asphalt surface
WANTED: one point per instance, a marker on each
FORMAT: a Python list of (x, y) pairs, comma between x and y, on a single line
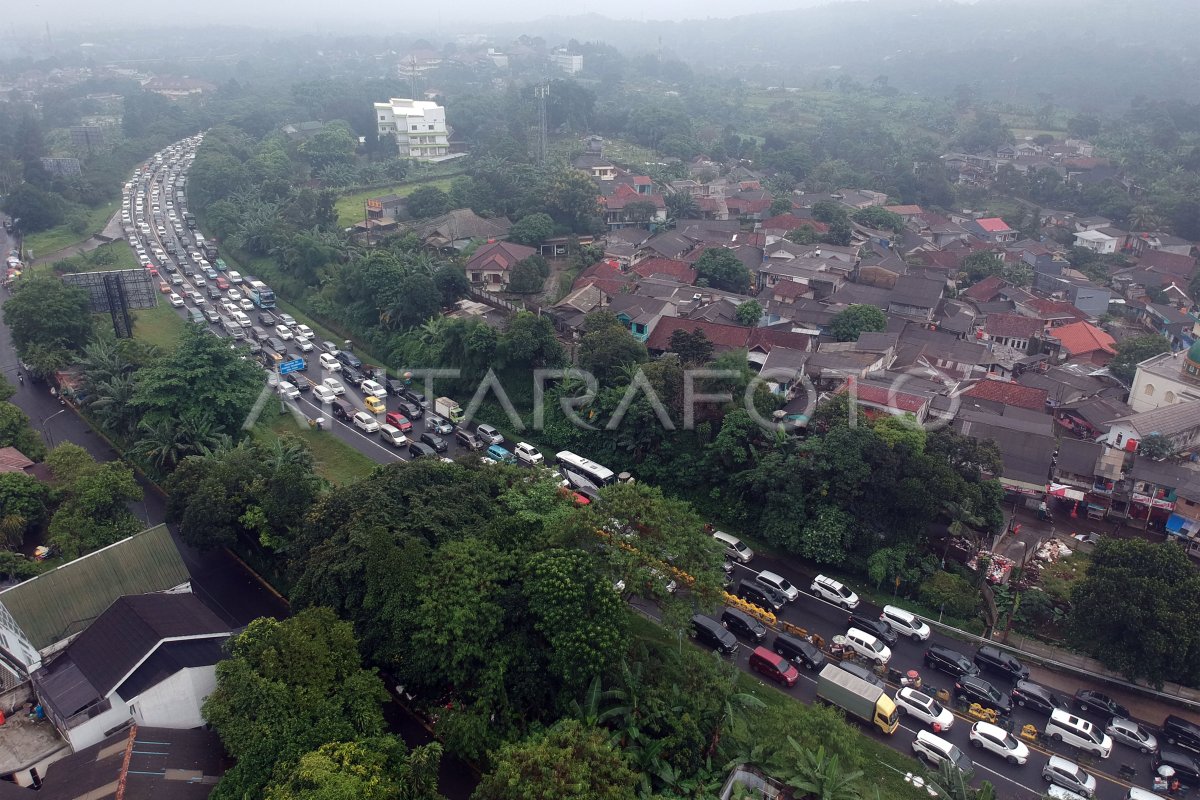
[(811, 613)]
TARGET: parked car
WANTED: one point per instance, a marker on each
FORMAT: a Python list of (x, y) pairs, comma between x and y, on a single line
[(743, 625), (1179, 731), (996, 740), (1089, 700), (778, 583), (872, 626), (993, 659), (1131, 734), (489, 434), (712, 634), (527, 454), (921, 706), (973, 689), (415, 397), (834, 592), (800, 652), (949, 661), (288, 390), (1028, 694)]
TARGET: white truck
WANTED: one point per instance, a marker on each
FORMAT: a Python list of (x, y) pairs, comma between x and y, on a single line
[(450, 409)]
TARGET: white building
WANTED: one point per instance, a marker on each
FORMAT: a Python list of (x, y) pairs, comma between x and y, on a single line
[(572, 65), (1096, 241), (1166, 379), (417, 126), (148, 660)]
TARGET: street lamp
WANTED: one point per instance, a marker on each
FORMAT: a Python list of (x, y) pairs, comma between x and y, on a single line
[(46, 431)]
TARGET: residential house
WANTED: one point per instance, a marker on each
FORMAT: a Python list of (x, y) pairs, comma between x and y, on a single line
[(1027, 459), (1055, 313), (455, 230), (1184, 521), (1099, 240), (1163, 380), (1154, 488), (148, 660), (1081, 341), (1166, 321), (1177, 266), (1076, 465), (915, 297), (640, 314), (668, 244), (628, 207), (1179, 422), (1066, 383), (994, 395), (491, 265), (668, 267), (940, 352), (606, 275), (1013, 331), (569, 313), (888, 398), (1090, 418), (860, 198), (1142, 243), (985, 290), (991, 229)]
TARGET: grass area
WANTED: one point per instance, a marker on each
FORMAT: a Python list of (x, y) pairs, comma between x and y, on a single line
[(160, 326), (336, 461), (350, 208), (116, 255), (46, 242)]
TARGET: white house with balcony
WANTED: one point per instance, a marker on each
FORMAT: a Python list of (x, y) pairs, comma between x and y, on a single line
[(1096, 241), (417, 126)]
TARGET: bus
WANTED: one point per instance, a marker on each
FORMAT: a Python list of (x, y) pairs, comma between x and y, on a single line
[(261, 294), (572, 465)]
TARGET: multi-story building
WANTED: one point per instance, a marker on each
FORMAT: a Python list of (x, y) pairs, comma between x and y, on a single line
[(417, 126), (568, 63)]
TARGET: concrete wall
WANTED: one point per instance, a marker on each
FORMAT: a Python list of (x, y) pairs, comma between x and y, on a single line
[(175, 702)]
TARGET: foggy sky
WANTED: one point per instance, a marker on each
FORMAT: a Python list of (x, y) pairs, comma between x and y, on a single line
[(321, 15)]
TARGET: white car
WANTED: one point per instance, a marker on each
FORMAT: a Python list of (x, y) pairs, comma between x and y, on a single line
[(228, 306), (528, 454), (176, 300), (199, 281), (288, 390), (366, 423), (834, 592), (245, 304), (286, 319), (779, 583), (305, 345), (322, 393), (234, 294), (994, 739), (373, 388), (284, 332), (919, 705), (330, 363), (335, 385), (304, 332)]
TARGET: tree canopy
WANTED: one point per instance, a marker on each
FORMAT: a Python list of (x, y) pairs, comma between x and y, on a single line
[(721, 269), (848, 325), (1133, 350)]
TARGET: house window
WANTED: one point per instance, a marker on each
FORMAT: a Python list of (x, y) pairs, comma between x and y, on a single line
[(476, 277), (1169, 397), (1149, 390)]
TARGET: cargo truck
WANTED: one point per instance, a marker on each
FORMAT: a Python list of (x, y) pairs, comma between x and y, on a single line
[(858, 698), (449, 409)]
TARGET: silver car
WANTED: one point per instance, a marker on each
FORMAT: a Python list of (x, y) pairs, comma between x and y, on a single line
[(1131, 734)]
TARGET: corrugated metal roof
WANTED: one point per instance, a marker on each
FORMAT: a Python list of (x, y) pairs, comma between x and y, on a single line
[(60, 603)]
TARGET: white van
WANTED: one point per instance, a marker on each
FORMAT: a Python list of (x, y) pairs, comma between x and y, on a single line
[(935, 750), (241, 319), (734, 547), (1064, 726), (905, 623), (868, 646)]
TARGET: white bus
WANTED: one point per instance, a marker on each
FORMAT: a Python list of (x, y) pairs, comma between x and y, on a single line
[(594, 473)]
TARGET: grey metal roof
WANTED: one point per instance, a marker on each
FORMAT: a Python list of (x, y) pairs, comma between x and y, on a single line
[(1079, 457), (1164, 420), (60, 603)]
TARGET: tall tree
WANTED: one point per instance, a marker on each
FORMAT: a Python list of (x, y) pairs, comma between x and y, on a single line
[(848, 325), (1134, 350), (46, 312), (722, 270)]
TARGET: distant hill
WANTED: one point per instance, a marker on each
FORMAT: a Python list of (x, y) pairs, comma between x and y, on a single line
[(1095, 53)]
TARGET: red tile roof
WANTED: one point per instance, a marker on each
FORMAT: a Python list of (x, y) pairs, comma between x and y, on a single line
[(1009, 394), (605, 275), (993, 225), (986, 290), (723, 337), (765, 339), (790, 290), (1054, 309), (1080, 338), (679, 270), (13, 460), (1013, 325), (790, 222), (625, 194), (741, 205), (888, 398), (499, 255)]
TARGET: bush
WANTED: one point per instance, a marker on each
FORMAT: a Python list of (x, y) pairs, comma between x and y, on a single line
[(953, 594), (78, 223)]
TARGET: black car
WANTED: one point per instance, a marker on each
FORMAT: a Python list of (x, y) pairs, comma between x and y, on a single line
[(348, 359), (421, 450), (1088, 700), (1181, 732), (434, 441), (873, 626), (1184, 765), (213, 293), (394, 387), (800, 652), (760, 596), (353, 376), (267, 318), (1033, 695), (710, 633), (414, 396), (949, 661), (744, 625), (996, 660), (276, 344), (973, 689), (411, 410)]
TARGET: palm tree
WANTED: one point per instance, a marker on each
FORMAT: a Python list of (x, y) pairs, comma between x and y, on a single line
[(733, 710), (682, 205), (1143, 218), (162, 444), (110, 401), (818, 776), (950, 784)]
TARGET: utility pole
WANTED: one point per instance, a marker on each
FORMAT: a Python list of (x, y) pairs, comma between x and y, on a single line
[(541, 93)]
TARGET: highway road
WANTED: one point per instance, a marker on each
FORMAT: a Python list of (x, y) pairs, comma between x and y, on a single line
[(809, 612)]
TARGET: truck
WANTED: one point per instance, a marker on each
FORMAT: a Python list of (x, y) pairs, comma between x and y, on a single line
[(858, 698), (210, 251), (449, 409)]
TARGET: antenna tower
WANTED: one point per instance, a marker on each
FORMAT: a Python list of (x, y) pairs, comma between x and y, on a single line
[(542, 92)]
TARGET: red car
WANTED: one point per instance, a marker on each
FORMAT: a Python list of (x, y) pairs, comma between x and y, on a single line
[(222, 284), (774, 666), (398, 420)]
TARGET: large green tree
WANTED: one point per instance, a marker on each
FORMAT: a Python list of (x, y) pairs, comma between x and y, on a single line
[(532, 229), (94, 511), (571, 199), (427, 201), (286, 689), (722, 270), (1148, 596), (1134, 350), (377, 768), (569, 762), (23, 501), (607, 347), (46, 312), (848, 325)]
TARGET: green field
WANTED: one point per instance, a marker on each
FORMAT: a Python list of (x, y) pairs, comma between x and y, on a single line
[(161, 326), (93, 261), (43, 243), (336, 461), (351, 208)]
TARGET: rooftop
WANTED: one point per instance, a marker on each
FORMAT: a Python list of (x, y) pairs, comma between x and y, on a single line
[(1164, 420), (993, 225), (1009, 394), (1079, 338), (1013, 325)]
